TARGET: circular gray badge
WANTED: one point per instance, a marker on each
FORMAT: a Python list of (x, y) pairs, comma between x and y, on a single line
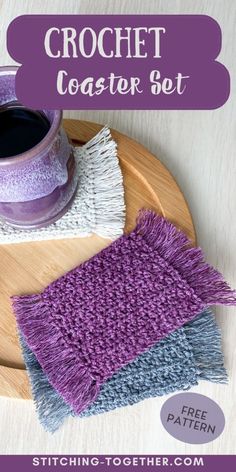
[(192, 418)]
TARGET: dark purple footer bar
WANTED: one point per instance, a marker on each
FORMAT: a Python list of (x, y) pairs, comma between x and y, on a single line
[(112, 463)]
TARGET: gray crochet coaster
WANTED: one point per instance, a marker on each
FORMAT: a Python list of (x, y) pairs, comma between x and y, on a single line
[(178, 362), (98, 207)]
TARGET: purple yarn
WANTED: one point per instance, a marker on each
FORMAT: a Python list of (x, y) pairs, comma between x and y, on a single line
[(101, 315)]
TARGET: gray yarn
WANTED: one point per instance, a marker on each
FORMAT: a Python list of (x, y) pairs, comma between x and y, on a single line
[(177, 362)]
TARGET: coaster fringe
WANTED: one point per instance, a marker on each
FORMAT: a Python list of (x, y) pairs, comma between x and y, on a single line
[(49, 404), (204, 337), (107, 192), (175, 248), (75, 384)]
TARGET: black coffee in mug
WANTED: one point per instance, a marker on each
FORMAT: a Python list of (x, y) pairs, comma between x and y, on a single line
[(20, 129)]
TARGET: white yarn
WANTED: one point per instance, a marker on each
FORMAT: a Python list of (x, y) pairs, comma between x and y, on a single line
[(98, 207)]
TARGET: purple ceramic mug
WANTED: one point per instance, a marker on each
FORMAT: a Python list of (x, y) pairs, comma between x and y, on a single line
[(37, 186)]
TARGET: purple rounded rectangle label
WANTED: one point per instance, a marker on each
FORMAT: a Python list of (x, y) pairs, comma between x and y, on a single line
[(118, 62)]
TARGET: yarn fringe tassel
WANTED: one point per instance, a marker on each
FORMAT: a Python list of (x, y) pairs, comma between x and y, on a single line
[(74, 383), (49, 404), (107, 191), (204, 336), (173, 245)]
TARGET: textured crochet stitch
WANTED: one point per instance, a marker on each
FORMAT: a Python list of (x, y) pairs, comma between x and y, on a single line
[(178, 362), (98, 317)]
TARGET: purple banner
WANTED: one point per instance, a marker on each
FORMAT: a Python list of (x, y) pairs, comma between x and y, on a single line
[(111, 463), (118, 61)]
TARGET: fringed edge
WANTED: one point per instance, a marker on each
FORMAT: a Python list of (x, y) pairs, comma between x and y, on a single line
[(71, 379), (204, 337), (50, 406), (173, 245), (107, 191)]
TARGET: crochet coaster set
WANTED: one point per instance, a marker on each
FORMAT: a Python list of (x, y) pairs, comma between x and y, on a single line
[(130, 323), (189, 354)]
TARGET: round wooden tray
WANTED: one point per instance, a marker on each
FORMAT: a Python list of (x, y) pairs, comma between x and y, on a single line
[(29, 267)]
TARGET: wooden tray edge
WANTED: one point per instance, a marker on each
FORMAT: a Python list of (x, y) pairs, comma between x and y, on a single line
[(15, 381)]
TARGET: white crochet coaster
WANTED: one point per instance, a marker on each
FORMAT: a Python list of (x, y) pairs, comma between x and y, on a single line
[(98, 207)]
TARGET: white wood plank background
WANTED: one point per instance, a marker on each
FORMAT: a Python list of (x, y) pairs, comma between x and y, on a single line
[(199, 148)]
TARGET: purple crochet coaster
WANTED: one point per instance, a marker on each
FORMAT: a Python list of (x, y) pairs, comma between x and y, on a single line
[(98, 317)]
